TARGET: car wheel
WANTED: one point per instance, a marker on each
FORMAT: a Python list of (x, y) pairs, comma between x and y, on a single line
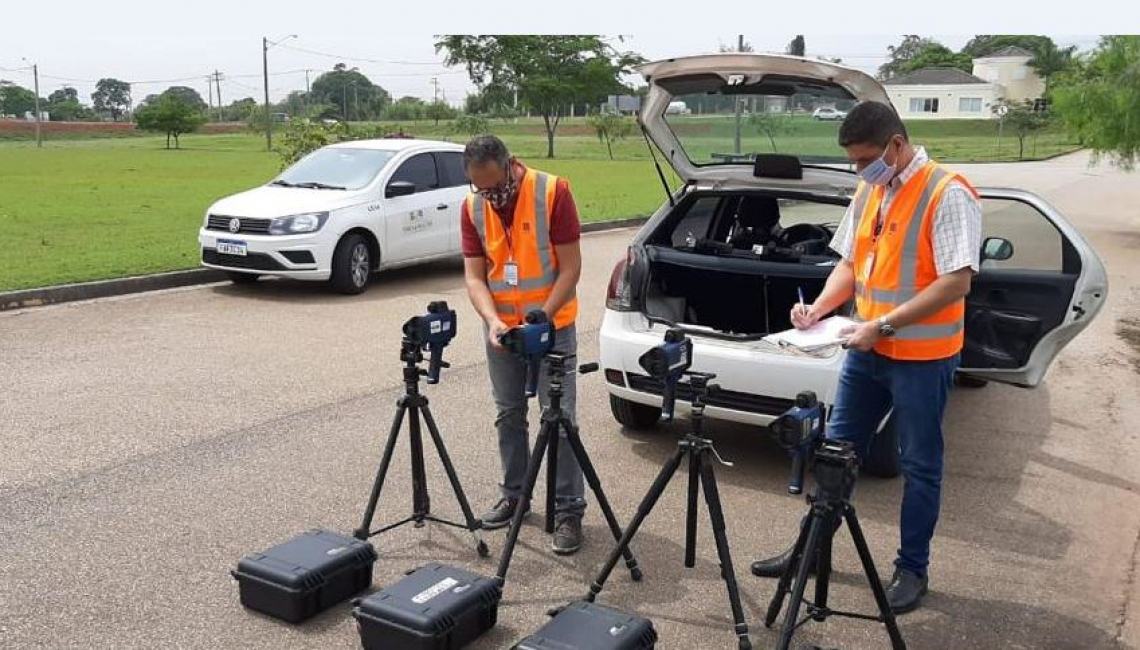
[(883, 460), (237, 277), (351, 265), (632, 415)]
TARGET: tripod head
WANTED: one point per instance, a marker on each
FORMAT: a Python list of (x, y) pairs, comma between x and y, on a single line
[(836, 467)]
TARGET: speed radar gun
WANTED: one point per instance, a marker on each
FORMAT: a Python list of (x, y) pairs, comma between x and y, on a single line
[(432, 332), (798, 430), (531, 341), (668, 362)]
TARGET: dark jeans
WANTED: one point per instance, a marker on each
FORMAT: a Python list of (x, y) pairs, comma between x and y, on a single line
[(508, 384), (869, 386)]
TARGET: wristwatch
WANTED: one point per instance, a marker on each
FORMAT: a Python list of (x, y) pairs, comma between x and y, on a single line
[(885, 327)]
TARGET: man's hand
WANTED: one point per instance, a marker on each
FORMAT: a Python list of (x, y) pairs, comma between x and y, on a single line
[(495, 329), (862, 337), (804, 316)]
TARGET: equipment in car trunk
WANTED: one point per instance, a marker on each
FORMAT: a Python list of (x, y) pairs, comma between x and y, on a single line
[(435, 607), (305, 575), (835, 471), (590, 626), (433, 331), (700, 453), (798, 430)]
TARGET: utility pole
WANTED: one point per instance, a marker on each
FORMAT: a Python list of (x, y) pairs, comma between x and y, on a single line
[(36, 77), (305, 104), (210, 88), (435, 82), (355, 100), (265, 76), (736, 102), (218, 83)]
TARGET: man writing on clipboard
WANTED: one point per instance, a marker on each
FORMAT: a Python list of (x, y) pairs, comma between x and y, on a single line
[(910, 243)]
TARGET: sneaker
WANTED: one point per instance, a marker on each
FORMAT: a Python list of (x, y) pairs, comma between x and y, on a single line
[(501, 514), (567, 534), (774, 567), (906, 590)]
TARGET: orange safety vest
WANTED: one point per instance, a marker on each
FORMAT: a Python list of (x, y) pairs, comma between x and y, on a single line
[(896, 265), (528, 245)]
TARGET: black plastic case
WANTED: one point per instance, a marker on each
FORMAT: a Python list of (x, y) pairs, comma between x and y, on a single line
[(305, 575), (435, 607), (589, 626)]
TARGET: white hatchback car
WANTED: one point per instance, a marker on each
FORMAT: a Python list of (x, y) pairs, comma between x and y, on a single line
[(725, 257), (828, 113), (342, 213)]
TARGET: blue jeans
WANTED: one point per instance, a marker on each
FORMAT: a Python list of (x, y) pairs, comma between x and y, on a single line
[(508, 385), (869, 386)]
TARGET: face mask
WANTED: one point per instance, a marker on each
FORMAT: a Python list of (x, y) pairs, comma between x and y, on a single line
[(879, 172), (500, 196)]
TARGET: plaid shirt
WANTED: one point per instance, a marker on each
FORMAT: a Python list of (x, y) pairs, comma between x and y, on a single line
[(957, 223)]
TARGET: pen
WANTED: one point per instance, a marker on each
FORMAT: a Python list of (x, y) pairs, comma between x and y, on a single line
[(803, 304)]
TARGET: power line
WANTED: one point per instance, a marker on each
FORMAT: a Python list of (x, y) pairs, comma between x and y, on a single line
[(350, 58)]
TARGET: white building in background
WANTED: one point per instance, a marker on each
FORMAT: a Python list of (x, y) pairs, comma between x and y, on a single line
[(950, 93)]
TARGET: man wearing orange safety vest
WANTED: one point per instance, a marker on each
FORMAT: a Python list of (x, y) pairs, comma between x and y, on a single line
[(910, 243), (521, 253)]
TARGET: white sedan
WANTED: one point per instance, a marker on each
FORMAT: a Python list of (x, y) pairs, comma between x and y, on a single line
[(342, 213)]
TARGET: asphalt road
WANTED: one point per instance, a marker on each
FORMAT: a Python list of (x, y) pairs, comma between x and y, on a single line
[(150, 441)]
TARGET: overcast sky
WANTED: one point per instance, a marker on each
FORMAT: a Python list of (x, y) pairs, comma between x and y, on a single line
[(128, 40)]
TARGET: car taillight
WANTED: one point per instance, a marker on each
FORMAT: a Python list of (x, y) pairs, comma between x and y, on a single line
[(618, 295)]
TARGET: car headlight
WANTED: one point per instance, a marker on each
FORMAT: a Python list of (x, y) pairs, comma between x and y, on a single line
[(298, 223)]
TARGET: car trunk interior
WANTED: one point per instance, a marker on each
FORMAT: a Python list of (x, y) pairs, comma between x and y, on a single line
[(732, 263)]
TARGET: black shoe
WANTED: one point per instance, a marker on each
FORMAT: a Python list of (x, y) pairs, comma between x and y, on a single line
[(501, 514), (567, 534), (906, 590), (774, 567)]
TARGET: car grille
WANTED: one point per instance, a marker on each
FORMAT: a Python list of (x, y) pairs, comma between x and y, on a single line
[(728, 399), (252, 261), (248, 225)]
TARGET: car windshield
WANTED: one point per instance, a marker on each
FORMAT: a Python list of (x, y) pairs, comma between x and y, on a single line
[(717, 123), (335, 168)]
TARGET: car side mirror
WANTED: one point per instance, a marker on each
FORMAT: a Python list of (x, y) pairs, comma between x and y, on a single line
[(996, 248), (399, 188)]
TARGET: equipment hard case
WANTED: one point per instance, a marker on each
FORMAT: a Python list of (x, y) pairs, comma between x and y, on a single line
[(305, 575), (435, 607), (589, 626)]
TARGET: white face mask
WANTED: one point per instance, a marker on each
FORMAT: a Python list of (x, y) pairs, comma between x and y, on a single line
[(879, 172)]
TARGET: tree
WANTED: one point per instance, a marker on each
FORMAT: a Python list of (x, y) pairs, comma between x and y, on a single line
[(797, 47), (351, 92), (985, 44), (16, 100), (470, 125), (112, 96), (1099, 100), (1049, 60), (610, 127), (171, 115), (1023, 119), (916, 52), (439, 110), (549, 73), (773, 126), (187, 96), (407, 108), (63, 105)]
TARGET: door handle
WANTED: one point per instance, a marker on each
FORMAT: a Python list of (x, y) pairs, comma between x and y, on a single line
[(441, 206)]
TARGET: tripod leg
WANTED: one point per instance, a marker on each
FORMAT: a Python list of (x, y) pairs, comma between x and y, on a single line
[(823, 565), (793, 613), (362, 533), (532, 468), (712, 500), (473, 524), (595, 483), (551, 472), (897, 642), (777, 602), (421, 503), (643, 510), (691, 512)]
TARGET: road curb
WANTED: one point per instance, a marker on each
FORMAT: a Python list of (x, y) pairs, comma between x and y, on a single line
[(44, 296)]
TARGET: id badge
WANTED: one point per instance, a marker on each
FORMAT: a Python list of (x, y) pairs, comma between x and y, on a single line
[(868, 267), (511, 271)]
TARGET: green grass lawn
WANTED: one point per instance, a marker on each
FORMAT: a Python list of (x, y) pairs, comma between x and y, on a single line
[(80, 210)]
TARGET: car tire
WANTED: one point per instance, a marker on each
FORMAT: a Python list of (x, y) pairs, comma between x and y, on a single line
[(237, 277), (883, 459), (632, 415), (351, 265)]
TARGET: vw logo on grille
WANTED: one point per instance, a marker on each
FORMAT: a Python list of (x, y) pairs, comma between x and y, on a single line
[(235, 225)]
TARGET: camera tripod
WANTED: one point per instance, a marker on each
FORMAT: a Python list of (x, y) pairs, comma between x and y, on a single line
[(700, 452), (555, 420), (830, 507), (416, 404)]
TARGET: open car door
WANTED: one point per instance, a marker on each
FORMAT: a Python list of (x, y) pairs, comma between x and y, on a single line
[(1040, 285)]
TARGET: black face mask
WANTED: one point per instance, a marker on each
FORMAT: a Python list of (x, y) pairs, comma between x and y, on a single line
[(501, 196)]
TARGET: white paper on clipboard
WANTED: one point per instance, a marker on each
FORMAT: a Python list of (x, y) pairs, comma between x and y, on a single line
[(823, 334)]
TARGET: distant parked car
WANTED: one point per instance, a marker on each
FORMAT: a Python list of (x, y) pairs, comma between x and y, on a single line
[(678, 108), (828, 114), (342, 213)]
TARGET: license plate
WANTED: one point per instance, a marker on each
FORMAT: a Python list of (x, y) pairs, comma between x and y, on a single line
[(231, 247)]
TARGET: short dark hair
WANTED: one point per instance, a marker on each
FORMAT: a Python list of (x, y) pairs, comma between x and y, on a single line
[(485, 148), (871, 123)]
